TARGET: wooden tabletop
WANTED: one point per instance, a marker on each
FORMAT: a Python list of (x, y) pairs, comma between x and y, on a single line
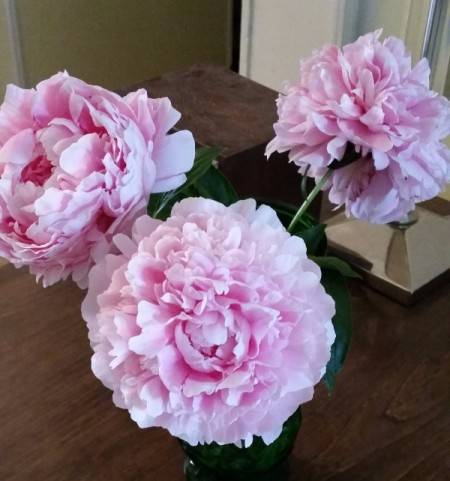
[(387, 420)]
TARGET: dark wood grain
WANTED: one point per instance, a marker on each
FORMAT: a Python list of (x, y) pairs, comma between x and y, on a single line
[(389, 416), (387, 420), (57, 421)]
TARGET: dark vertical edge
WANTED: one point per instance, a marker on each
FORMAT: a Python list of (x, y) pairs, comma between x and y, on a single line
[(236, 34)]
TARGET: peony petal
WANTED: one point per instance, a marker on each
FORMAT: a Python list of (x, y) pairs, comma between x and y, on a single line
[(77, 165), (222, 352), (173, 159)]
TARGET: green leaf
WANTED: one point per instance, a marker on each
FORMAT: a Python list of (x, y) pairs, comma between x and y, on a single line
[(214, 185), (156, 204), (315, 239), (204, 157), (330, 262), (336, 286), (160, 205)]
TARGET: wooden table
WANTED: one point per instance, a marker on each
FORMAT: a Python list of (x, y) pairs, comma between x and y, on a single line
[(387, 420)]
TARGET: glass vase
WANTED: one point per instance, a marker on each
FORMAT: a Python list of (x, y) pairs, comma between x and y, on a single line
[(261, 462)]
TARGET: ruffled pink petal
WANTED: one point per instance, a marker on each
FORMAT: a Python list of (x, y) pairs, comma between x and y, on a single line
[(212, 324)]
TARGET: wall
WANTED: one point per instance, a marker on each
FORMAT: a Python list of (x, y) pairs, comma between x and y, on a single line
[(7, 68), (275, 35), (405, 19), (118, 42)]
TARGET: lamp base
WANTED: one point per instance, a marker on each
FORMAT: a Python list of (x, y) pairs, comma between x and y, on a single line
[(403, 263)]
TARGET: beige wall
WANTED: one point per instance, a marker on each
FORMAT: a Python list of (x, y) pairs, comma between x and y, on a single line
[(7, 70), (118, 42), (276, 34), (405, 19)]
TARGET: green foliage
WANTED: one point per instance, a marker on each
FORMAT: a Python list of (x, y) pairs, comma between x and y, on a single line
[(204, 157), (336, 286), (214, 185), (203, 176), (315, 239), (330, 262)]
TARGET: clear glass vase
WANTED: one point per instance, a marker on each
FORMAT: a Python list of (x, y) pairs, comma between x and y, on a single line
[(261, 462)]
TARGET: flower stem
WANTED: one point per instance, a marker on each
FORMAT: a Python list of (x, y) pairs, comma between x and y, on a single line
[(304, 181), (309, 199)]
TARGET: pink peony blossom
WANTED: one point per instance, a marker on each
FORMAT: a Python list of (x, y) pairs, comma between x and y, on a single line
[(77, 165), (212, 324), (367, 96)]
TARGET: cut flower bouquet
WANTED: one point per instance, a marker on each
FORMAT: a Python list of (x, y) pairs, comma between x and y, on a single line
[(211, 316)]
